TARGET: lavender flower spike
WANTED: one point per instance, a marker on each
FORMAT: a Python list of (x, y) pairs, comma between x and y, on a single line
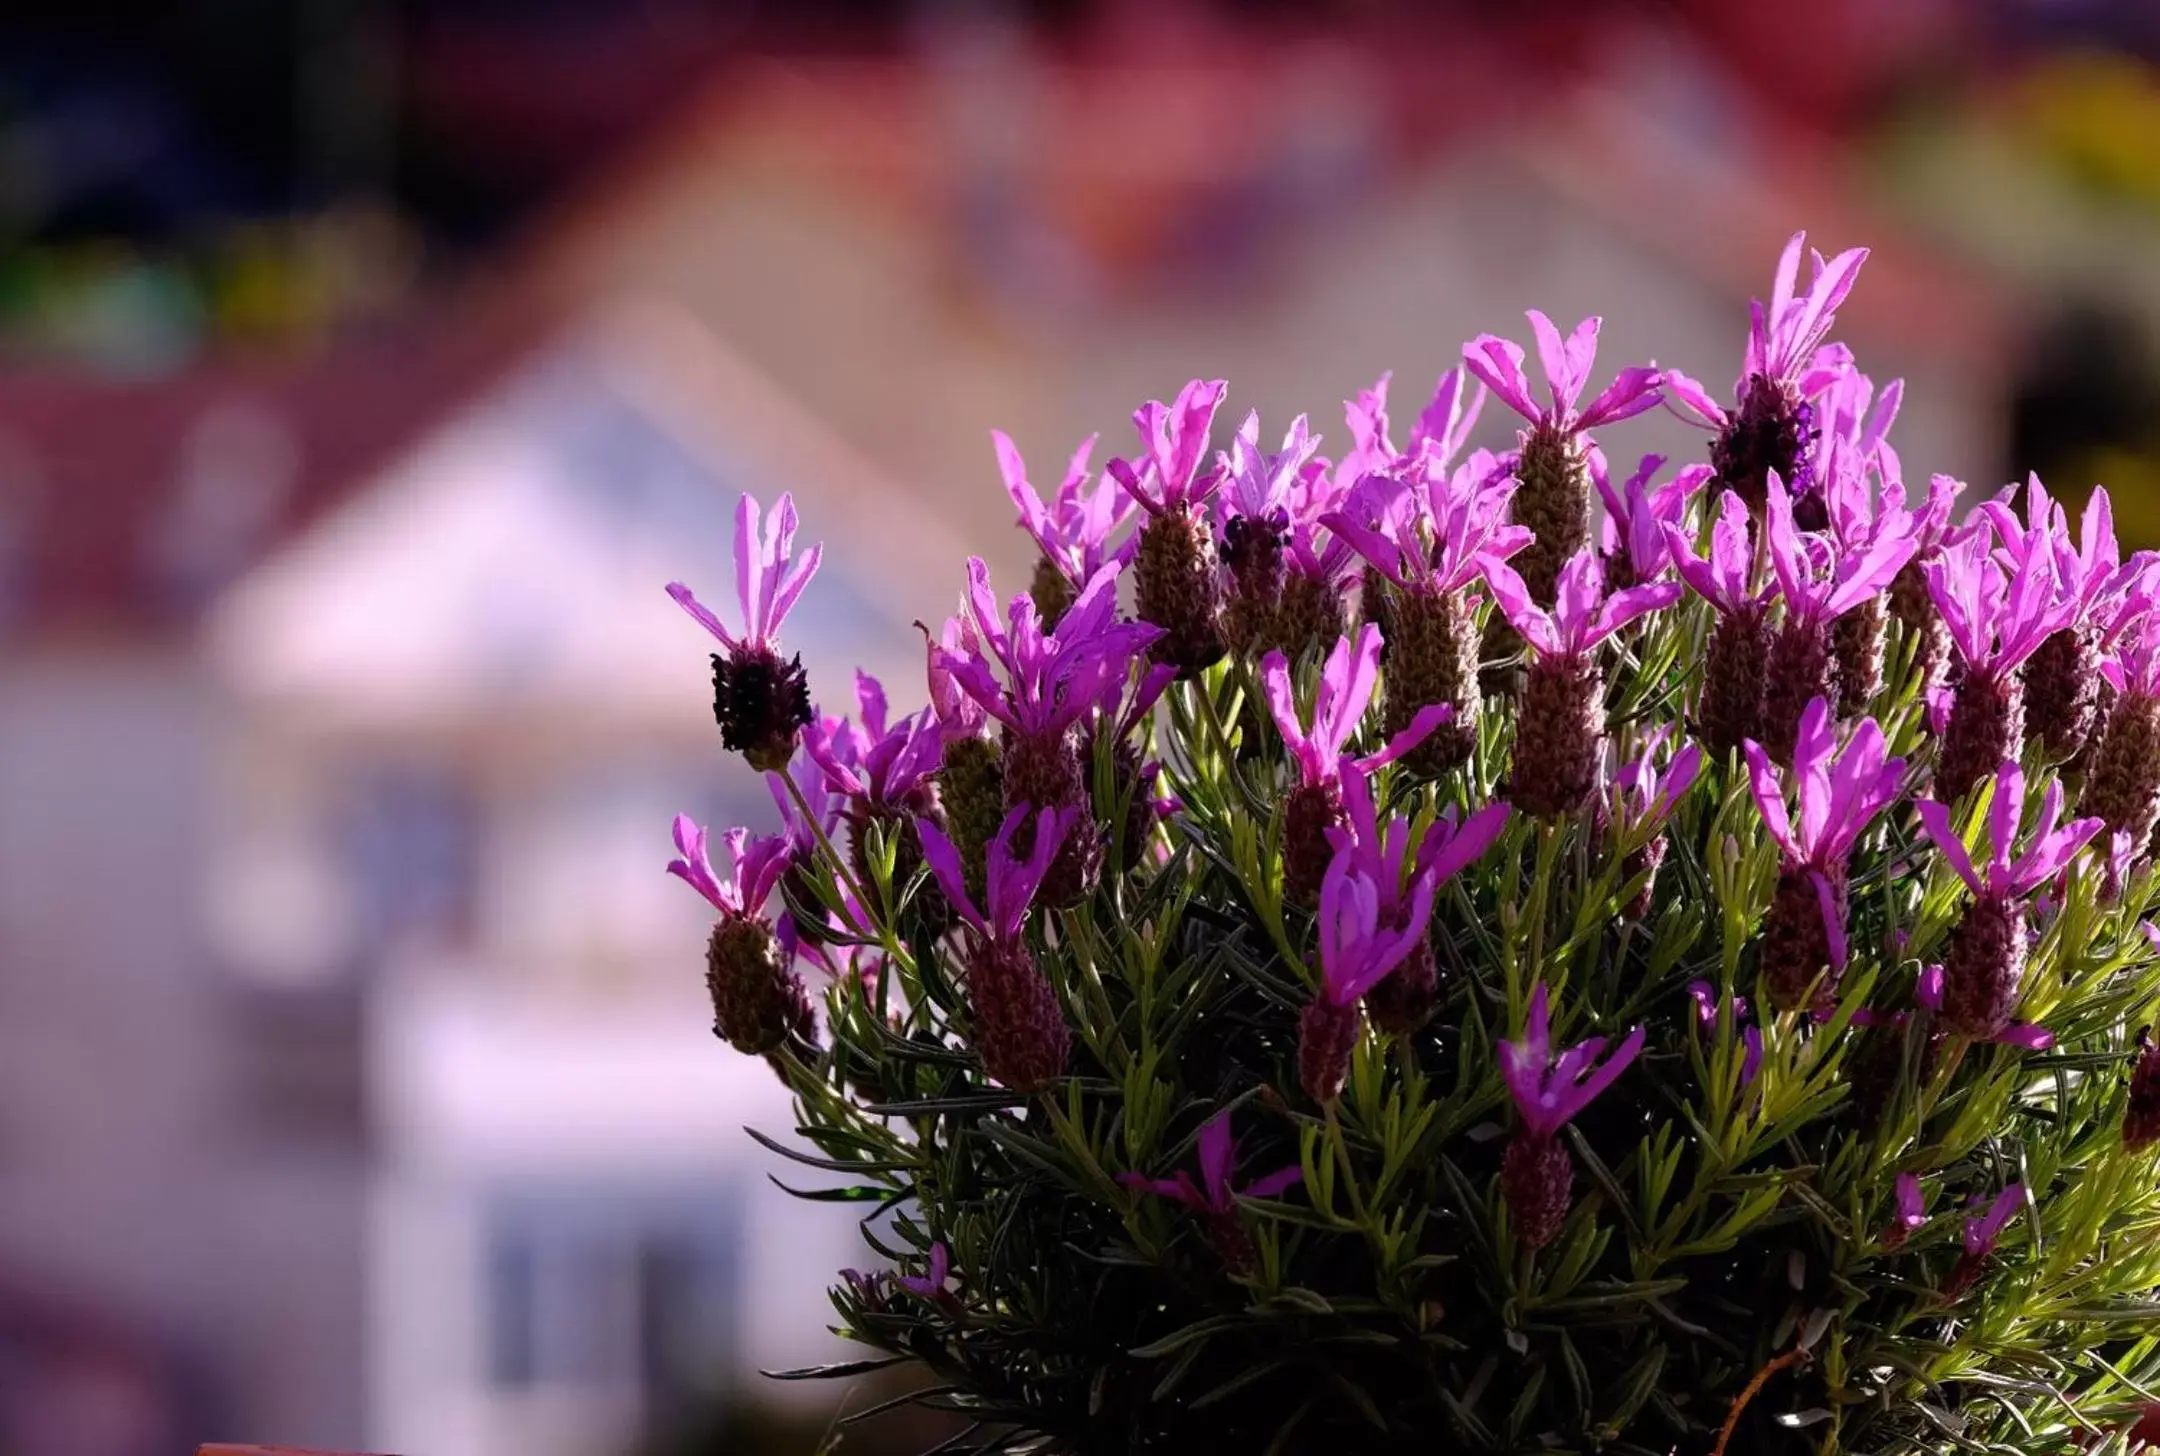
[(1819, 585), (760, 702), (1175, 576), (2123, 785), (1357, 951), (1996, 621), (758, 1000), (1554, 502), (1315, 805), (1639, 801), (1911, 1213), (1984, 966), (1213, 1198), (1019, 1032), (1256, 526), (1636, 516), (1560, 729), (1073, 531), (1736, 667), (1841, 792), (1537, 1176), (1981, 1235)]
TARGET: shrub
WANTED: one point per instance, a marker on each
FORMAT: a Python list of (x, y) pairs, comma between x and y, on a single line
[(1439, 979)]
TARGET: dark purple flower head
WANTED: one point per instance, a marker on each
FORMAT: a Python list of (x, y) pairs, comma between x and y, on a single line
[(1359, 943), (1010, 884), (2047, 855), (1642, 795), (1214, 1193), (1928, 991), (1430, 529), (754, 867), (931, 1283), (1075, 528), (1550, 1090), (1983, 1232), (1724, 578), (1049, 679), (875, 760), (1261, 485), (1347, 680), (768, 576), (1785, 341), (1997, 619), (1819, 581), (1498, 363), (1637, 514), (1174, 441), (1582, 614)]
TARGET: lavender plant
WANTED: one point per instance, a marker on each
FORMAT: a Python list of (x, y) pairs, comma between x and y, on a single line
[(1238, 1032)]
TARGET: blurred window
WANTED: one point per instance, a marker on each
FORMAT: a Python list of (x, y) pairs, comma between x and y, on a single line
[(409, 838)]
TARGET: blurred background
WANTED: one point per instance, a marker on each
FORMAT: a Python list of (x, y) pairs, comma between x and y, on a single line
[(366, 367)]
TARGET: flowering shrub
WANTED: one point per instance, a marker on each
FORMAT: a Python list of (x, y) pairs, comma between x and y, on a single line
[(1437, 974)]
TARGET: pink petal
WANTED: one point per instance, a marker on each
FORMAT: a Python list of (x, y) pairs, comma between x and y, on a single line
[(1498, 365), (702, 613)]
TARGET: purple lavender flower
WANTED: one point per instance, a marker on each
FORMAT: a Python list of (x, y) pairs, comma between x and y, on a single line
[(1358, 949), (1863, 493), (1983, 966), (2122, 785), (971, 774), (758, 1000), (932, 1283), (1430, 533), (1256, 525), (1786, 366), (1820, 584), (1537, 1176), (1996, 621), (1707, 1003), (1981, 1235), (1175, 579), (1213, 1198), (1554, 501), (1636, 515), (885, 769), (1560, 728), (2141, 1106), (2062, 678), (1736, 666), (1073, 531), (760, 702), (1639, 801), (1911, 1214), (2025, 1035), (1388, 856), (1315, 805), (1841, 792), (1019, 1032)]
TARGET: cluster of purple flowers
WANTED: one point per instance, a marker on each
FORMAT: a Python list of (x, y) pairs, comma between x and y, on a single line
[(1352, 599)]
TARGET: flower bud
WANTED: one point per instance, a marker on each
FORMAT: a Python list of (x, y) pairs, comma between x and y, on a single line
[(1537, 1178), (1796, 946), (1432, 658), (971, 788), (1019, 1030), (1987, 725), (1308, 814), (1311, 614), (2124, 786), (1559, 736), (1176, 588), (1984, 969), (2062, 692), (1233, 1243), (1643, 860), (1045, 771), (1733, 673), (1773, 429), (1552, 499), (1858, 638), (1404, 1001), (1800, 668), (2141, 1112), (1326, 1035), (761, 704), (1252, 551), (1050, 591), (757, 998)]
